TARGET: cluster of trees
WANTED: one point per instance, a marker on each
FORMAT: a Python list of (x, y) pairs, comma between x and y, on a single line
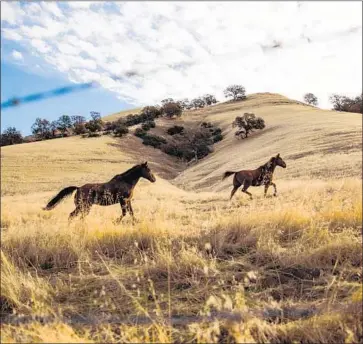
[(247, 124), (11, 136), (185, 144), (65, 125), (192, 144), (235, 92), (346, 104), (340, 102), (193, 104)]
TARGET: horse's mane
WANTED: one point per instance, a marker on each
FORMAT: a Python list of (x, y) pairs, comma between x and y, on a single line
[(265, 164), (126, 173)]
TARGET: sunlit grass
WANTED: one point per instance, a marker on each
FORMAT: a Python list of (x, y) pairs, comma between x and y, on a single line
[(176, 261)]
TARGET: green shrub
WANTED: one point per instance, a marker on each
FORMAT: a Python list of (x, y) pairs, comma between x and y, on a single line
[(217, 138), (176, 129), (148, 125), (153, 140), (140, 132), (120, 130), (217, 131)]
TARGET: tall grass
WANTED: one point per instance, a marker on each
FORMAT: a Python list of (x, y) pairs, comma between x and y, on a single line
[(289, 267)]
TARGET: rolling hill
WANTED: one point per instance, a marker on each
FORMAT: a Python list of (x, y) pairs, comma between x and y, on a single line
[(195, 266)]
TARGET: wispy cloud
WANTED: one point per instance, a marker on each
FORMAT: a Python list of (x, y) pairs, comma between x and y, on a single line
[(17, 55), (145, 51)]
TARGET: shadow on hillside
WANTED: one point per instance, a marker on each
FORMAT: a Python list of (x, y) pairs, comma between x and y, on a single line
[(165, 166)]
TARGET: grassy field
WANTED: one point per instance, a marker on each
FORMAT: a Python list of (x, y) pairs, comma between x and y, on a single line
[(196, 267)]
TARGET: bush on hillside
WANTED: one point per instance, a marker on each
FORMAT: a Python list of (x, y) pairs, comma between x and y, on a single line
[(120, 129), (79, 128), (95, 124), (192, 144), (153, 140), (247, 124), (217, 138), (217, 131), (171, 110), (176, 129), (149, 113), (140, 132), (206, 125), (148, 125), (11, 136)]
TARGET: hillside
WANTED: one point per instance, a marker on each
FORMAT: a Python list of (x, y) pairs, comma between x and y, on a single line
[(195, 267), (117, 115), (315, 143)]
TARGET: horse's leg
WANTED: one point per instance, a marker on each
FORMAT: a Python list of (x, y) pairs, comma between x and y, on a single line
[(129, 208), (246, 185), (123, 208), (235, 188), (74, 213), (85, 210), (274, 185), (236, 185), (79, 210), (266, 188)]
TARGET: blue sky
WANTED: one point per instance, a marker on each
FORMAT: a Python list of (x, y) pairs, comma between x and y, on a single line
[(15, 81), (143, 52)]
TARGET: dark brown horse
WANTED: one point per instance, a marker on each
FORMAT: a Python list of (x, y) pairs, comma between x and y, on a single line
[(260, 176), (118, 190)]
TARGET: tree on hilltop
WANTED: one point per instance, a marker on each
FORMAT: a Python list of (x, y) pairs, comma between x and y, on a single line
[(237, 92), (311, 99)]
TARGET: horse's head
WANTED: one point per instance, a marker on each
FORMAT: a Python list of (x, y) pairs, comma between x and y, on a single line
[(279, 161), (146, 172)]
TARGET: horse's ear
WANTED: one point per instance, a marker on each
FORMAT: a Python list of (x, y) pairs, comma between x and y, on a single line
[(145, 163), (278, 155)]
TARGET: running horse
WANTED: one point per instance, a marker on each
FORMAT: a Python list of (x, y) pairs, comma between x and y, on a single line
[(260, 176), (118, 190)]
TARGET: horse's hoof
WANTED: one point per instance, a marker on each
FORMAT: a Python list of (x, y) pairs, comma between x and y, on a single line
[(117, 222)]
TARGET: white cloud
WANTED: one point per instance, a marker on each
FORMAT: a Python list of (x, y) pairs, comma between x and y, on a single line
[(185, 49), (11, 13), (17, 55)]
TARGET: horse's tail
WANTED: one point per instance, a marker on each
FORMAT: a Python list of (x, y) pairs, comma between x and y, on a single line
[(63, 193), (227, 174)]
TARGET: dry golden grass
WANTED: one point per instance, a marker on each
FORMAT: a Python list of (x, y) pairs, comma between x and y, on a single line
[(196, 267), (197, 253)]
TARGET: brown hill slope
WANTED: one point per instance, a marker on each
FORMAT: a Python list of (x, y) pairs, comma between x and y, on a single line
[(315, 143)]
